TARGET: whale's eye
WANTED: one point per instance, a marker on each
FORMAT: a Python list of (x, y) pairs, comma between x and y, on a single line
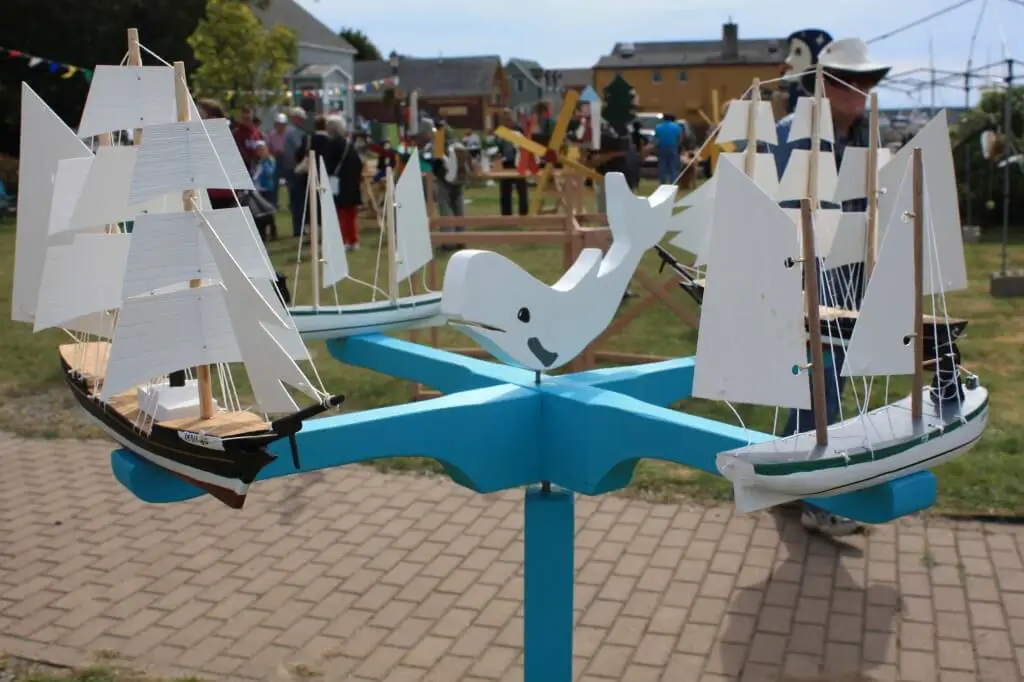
[(523, 315)]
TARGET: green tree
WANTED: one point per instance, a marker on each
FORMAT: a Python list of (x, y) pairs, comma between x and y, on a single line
[(619, 106), (241, 62), (982, 188), (365, 49)]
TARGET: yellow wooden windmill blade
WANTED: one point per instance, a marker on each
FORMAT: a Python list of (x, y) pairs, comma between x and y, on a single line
[(546, 153), (555, 145)]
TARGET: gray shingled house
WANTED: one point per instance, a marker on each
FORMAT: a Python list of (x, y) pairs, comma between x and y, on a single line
[(467, 92), (325, 61)]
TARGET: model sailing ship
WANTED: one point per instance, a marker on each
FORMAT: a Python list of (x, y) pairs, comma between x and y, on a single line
[(843, 236), (407, 231), (763, 276), (189, 287)]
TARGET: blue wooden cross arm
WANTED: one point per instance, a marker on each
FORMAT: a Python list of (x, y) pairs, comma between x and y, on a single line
[(484, 438), (614, 431), (497, 429)]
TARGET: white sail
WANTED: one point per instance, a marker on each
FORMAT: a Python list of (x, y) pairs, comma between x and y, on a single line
[(67, 187), (103, 199), (168, 248), (793, 185), (165, 332), (882, 341), (734, 125), (413, 249), (751, 235), (292, 343), (800, 129), (335, 266), (127, 97), (849, 245), (853, 173), (766, 173), (45, 141), (81, 278), (694, 223), (175, 157), (940, 197), (97, 324), (258, 330), (826, 224)]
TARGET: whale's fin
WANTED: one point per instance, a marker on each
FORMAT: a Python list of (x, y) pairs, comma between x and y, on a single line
[(640, 221), (587, 264)]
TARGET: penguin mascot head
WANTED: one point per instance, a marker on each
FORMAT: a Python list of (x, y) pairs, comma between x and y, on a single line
[(804, 48)]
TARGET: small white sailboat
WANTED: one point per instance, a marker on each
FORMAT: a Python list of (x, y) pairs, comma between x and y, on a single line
[(753, 282), (409, 249), (152, 311)]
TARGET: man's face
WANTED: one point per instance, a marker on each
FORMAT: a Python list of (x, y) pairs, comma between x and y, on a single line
[(246, 116), (846, 100)]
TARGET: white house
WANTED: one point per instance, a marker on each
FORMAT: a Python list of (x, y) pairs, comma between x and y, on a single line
[(326, 61)]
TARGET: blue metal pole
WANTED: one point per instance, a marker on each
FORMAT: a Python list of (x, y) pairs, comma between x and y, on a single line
[(549, 534)]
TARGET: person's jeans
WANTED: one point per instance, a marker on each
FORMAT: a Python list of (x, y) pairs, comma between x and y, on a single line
[(450, 202), (297, 201), (505, 188), (668, 166)]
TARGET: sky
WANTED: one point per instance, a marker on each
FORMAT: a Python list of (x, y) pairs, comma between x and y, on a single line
[(574, 34)]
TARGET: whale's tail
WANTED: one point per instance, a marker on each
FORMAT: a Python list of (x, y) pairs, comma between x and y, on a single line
[(641, 222)]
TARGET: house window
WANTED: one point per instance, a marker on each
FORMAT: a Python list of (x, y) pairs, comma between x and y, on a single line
[(520, 85), (656, 76), (683, 77)]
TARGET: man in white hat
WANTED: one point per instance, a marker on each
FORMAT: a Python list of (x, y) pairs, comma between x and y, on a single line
[(849, 73)]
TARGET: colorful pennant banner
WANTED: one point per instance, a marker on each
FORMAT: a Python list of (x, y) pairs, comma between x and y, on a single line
[(370, 87), (65, 71)]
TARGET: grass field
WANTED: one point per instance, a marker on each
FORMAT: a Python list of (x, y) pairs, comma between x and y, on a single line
[(989, 480)]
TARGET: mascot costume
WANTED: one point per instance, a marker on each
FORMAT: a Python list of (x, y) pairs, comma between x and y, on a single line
[(804, 48)]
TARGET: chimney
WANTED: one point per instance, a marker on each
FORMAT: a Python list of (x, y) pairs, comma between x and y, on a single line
[(730, 40)]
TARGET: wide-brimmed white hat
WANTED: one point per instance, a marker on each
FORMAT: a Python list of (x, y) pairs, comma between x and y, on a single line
[(850, 55)]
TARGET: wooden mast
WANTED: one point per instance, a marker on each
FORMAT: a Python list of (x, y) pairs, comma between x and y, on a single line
[(716, 119), (813, 162), (390, 217), (135, 59), (313, 211), (812, 301), (188, 200), (814, 323), (872, 190), (750, 151), (916, 393)]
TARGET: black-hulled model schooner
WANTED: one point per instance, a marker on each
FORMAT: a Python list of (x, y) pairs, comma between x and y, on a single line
[(155, 312)]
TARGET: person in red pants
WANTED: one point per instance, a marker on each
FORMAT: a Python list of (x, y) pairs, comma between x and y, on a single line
[(346, 170)]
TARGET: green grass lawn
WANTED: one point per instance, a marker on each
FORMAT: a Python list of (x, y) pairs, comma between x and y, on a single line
[(990, 479)]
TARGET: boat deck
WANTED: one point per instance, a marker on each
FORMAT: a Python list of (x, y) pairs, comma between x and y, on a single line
[(828, 313), (90, 360), (877, 429)]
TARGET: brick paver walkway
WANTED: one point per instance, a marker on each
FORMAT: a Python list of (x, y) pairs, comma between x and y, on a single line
[(360, 576)]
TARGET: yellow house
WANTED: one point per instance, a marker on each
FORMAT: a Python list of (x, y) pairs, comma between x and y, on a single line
[(678, 77)]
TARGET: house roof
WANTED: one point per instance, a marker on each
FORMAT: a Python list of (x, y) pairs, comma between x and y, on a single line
[(435, 77), (693, 53), (309, 29), (576, 78), (524, 67)]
